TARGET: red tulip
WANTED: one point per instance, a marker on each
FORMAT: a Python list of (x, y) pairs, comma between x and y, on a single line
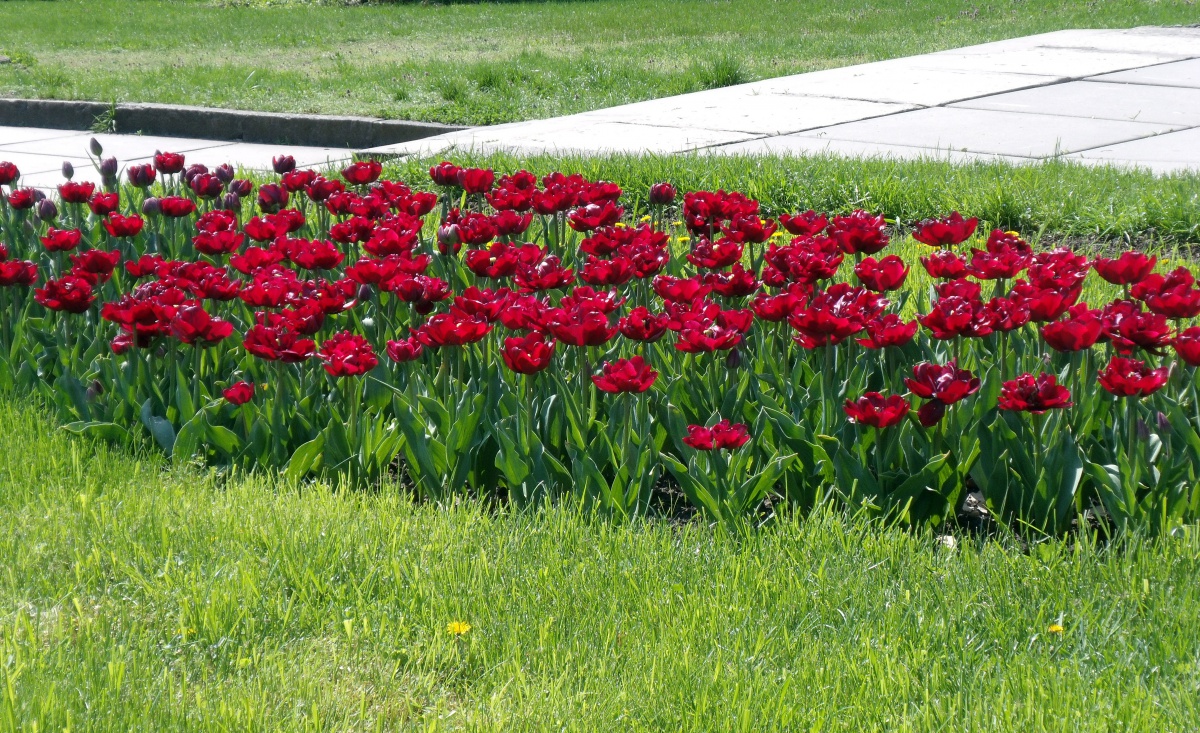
[(8, 173), (176, 206), (1187, 345), (17, 273), (362, 172), (1132, 378), (837, 313), (662, 194), (578, 327), (69, 293), (680, 290), (642, 325), (103, 204), (715, 255), (1127, 326), (946, 382), (218, 243), (1006, 314), (194, 326), (277, 343), (1126, 269), (876, 410), (949, 230), (123, 226), (168, 163), (859, 233), (239, 393), (528, 354), (316, 254), (347, 354), (549, 274), (723, 435), (616, 271), (888, 331), (1079, 331), (1035, 395), (409, 349), (945, 265), (475, 180), (76, 192), (444, 174), (625, 375), (805, 224), (61, 240), (95, 264), (594, 216), (448, 330), (1171, 295), (24, 198), (886, 274), (775, 308)]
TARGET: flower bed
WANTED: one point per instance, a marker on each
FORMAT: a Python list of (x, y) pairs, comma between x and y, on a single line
[(531, 336)]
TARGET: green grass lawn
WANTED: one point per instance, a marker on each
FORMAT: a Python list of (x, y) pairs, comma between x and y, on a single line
[(489, 63), (134, 597)]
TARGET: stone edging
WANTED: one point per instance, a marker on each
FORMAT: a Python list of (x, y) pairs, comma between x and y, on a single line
[(172, 120)]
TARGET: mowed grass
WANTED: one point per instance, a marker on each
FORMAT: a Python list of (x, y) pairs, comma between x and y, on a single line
[(1050, 203), (487, 63), (136, 597)]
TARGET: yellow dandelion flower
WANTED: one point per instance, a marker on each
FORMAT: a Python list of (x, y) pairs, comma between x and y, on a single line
[(1014, 234), (644, 219), (619, 225), (777, 234), (458, 628), (685, 239), (1055, 629), (676, 223)]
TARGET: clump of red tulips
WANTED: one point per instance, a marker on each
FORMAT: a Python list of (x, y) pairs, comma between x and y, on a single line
[(534, 336)]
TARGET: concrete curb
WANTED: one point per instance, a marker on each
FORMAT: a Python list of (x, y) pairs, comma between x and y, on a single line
[(172, 120)]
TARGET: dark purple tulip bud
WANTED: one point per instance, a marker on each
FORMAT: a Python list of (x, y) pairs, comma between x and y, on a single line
[(96, 148), (1143, 430), (194, 170), (283, 164), (141, 176), (231, 202), (108, 168), (68, 170), (94, 390), (46, 210), (1164, 423), (364, 292), (449, 238), (241, 187), (151, 207), (224, 173), (662, 194), (734, 359)]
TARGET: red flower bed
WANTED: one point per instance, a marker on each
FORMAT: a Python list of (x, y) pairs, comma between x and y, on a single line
[(532, 335)]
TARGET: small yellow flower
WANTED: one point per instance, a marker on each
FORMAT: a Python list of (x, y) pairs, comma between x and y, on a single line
[(1055, 629), (619, 225), (778, 233), (685, 239), (644, 219), (458, 628), (1014, 234), (676, 223)]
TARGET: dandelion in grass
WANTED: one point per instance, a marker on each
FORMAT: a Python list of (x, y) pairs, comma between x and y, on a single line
[(458, 628), (1055, 629)]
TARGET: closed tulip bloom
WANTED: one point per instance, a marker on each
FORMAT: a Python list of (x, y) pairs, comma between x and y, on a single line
[(662, 194), (272, 197), (103, 204), (943, 382), (24, 198), (363, 172), (888, 331), (876, 410), (141, 176), (1126, 269), (724, 435), (46, 210), (206, 186), (448, 330), (168, 163), (1078, 332), (475, 180), (196, 327), (594, 216), (1125, 377), (642, 325), (238, 393), (176, 206), (95, 264), (886, 274), (8, 173), (76, 192), (625, 375), (17, 273), (444, 174), (277, 343), (1034, 395), (283, 164), (405, 350), (528, 354), (945, 265), (859, 233), (61, 240), (946, 231), (347, 354)]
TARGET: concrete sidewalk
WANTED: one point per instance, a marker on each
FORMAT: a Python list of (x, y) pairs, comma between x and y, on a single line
[(1126, 97), (1129, 97)]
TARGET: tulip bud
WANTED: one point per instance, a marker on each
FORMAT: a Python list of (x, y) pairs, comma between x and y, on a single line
[(140, 176), (231, 202), (1143, 430), (46, 210), (94, 390), (151, 207), (194, 170), (108, 168), (662, 194), (224, 173), (96, 148), (449, 239), (364, 292), (1164, 423), (68, 170), (241, 187), (283, 164), (734, 359)]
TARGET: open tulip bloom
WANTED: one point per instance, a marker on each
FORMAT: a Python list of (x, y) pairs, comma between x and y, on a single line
[(541, 336)]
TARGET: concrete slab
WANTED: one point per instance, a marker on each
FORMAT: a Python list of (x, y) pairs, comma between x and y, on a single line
[(30, 164), (125, 148), (1071, 63), (1171, 152), (16, 135), (1147, 39), (1095, 100), (1177, 74), (254, 156), (734, 110), (899, 81), (797, 145), (987, 131)]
